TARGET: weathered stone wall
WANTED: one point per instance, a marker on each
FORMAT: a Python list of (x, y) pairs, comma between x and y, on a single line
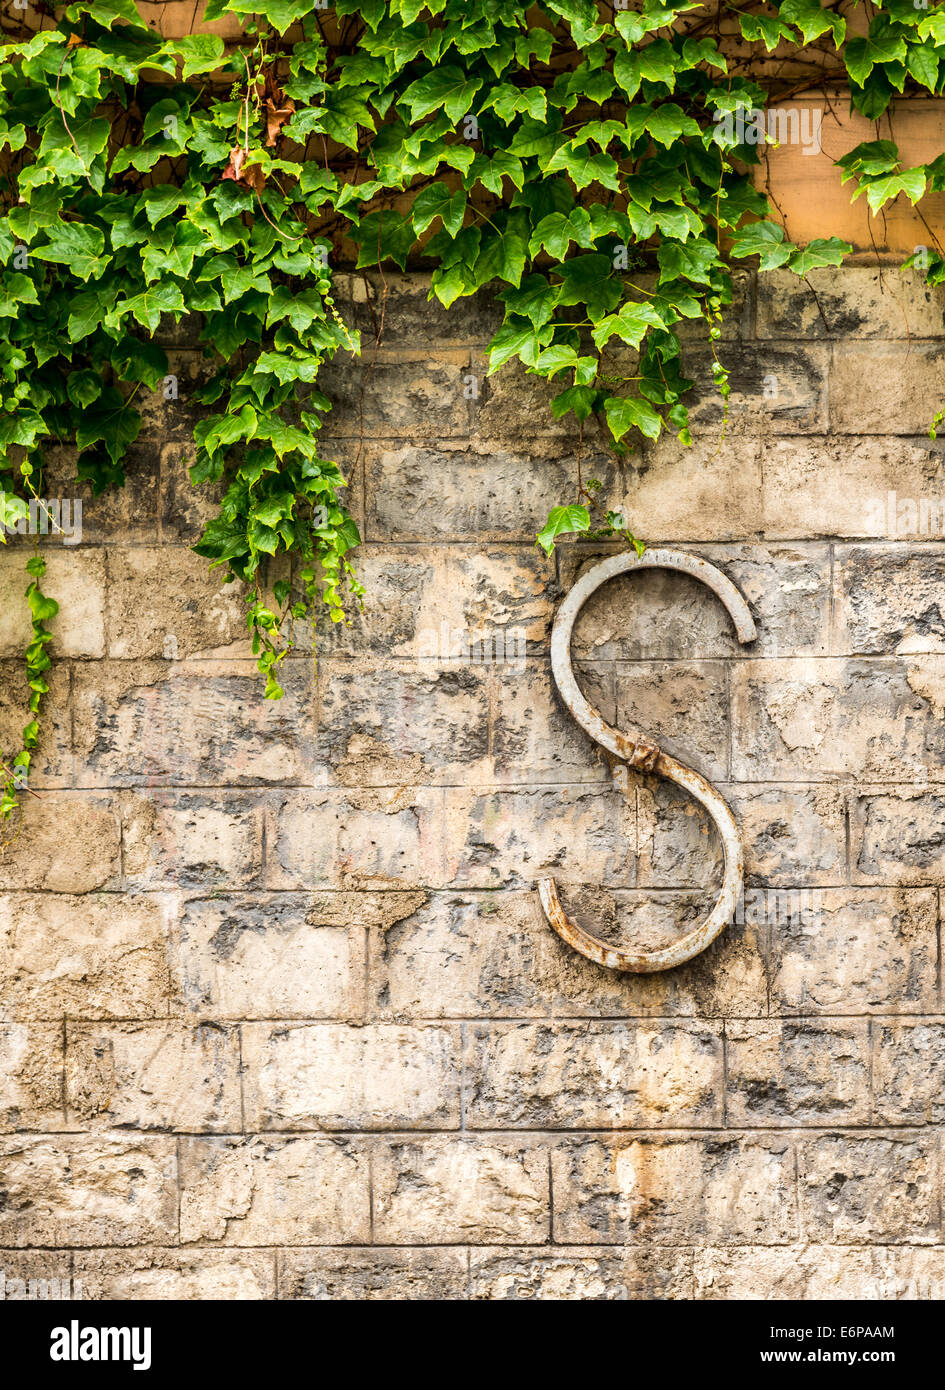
[(280, 1013)]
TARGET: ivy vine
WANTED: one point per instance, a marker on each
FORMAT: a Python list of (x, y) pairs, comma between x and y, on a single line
[(562, 151)]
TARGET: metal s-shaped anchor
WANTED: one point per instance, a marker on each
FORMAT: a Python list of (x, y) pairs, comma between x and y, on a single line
[(647, 757)]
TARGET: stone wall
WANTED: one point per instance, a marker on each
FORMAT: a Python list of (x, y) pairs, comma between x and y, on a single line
[(280, 1013)]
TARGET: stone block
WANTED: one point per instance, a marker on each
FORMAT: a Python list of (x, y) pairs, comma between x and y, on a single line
[(447, 607), (94, 957), (191, 723), (335, 1076), (282, 956), (167, 602), (876, 1189), (399, 394), (273, 1191), (874, 719), (776, 388), (689, 493), (74, 577), (793, 836), (581, 1273), (164, 1075), (512, 404), (368, 1276), (372, 839), (118, 516), (908, 1057), (897, 835), (875, 1273), (69, 842), (175, 839), (797, 1072), (31, 1078), (80, 1190), (411, 319), (398, 724), (184, 1276), (509, 838), (849, 302), (706, 1189), (590, 1075), (889, 599), (482, 491), (865, 951), (443, 1190), (29, 1275), (840, 486), (903, 387)]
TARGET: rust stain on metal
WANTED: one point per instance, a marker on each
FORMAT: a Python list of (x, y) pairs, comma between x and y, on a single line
[(645, 756)]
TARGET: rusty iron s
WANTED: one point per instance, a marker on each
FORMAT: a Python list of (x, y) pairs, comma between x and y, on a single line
[(647, 757)]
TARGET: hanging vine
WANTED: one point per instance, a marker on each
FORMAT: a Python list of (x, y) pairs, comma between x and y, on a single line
[(555, 150)]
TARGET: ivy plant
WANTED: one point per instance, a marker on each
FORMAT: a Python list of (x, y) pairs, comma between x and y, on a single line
[(591, 163)]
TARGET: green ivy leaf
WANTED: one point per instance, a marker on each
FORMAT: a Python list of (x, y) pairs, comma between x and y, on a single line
[(517, 339), (84, 387), (282, 14), (502, 257), (445, 89), (764, 28), (535, 299), (555, 233), (580, 400), (764, 240), (691, 260), (886, 188), (562, 521), (148, 306), (43, 609), (861, 55), (584, 167), (111, 421), (923, 65), (812, 20), (872, 157), (508, 102), (665, 124), (159, 202), (819, 253), (589, 280), (629, 412), (631, 324), (301, 309), (107, 11), (437, 201), (76, 245), (200, 53)]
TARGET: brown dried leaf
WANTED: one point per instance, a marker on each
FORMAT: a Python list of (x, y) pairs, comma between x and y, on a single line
[(277, 117), (249, 175), (253, 177), (235, 164)]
